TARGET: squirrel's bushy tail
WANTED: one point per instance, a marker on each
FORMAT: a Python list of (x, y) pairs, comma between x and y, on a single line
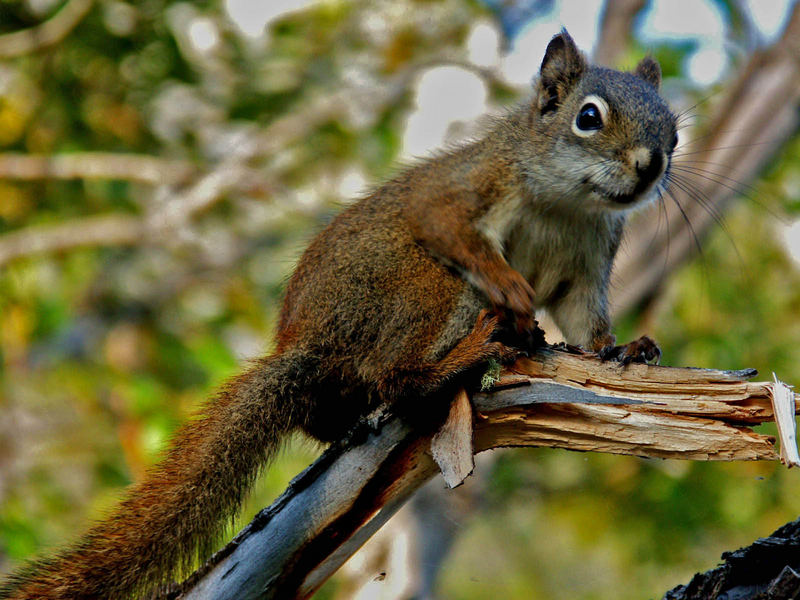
[(176, 514)]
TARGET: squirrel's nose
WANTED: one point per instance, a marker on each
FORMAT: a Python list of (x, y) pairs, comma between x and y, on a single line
[(649, 164)]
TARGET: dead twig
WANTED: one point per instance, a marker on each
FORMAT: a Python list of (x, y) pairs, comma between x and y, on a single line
[(165, 222), (95, 165), (105, 230), (46, 34)]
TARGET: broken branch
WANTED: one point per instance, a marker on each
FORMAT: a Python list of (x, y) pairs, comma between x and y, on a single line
[(554, 399)]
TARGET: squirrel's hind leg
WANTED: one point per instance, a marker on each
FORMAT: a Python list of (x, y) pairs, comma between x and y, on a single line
[(423, 392)]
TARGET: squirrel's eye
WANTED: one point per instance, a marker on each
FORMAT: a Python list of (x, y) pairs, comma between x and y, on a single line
[(592, 116), (589, 118)]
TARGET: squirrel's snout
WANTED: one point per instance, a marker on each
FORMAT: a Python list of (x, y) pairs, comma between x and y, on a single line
[(649, 165)]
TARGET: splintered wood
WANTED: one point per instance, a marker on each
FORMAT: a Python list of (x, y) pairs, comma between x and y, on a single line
[(784, 406), (576, 402), (451, 446)]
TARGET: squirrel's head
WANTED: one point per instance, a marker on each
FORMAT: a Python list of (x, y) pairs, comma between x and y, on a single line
[(609, 135)]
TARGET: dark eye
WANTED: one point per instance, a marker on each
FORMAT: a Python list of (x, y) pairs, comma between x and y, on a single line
[(589, 118)]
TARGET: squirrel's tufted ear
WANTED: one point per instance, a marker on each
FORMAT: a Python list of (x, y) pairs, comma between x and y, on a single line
[(562, 66), (649, 70)]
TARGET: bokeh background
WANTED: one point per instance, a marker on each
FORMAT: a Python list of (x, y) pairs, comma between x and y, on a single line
[(163, 164)]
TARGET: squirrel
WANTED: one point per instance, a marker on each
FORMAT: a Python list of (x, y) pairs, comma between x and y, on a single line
[(402, 298)]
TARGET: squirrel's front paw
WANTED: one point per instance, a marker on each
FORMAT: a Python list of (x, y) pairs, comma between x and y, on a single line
[(643, 350), (509, 292)]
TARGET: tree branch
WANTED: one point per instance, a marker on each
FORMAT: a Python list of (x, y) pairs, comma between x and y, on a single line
[(106, 230), (45, 34), (95, 165), (166, 221), (554, 400)]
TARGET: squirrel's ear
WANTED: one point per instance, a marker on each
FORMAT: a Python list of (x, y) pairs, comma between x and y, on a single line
[(649, 70), (562, 66)]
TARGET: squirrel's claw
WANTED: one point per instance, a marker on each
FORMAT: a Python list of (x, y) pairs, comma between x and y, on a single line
[(643, 350)]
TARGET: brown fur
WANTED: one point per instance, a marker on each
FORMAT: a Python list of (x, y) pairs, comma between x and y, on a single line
[(401, 297)]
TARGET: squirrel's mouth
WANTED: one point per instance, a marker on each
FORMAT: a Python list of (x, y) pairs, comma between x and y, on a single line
[(617, 198)]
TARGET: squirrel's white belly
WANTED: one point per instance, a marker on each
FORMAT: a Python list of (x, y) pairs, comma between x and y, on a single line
[(560, 252)]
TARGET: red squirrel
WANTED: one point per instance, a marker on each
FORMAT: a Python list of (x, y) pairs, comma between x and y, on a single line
[(406, 294)]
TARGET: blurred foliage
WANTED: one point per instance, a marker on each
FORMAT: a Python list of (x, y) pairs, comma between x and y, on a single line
[(103, 351)]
